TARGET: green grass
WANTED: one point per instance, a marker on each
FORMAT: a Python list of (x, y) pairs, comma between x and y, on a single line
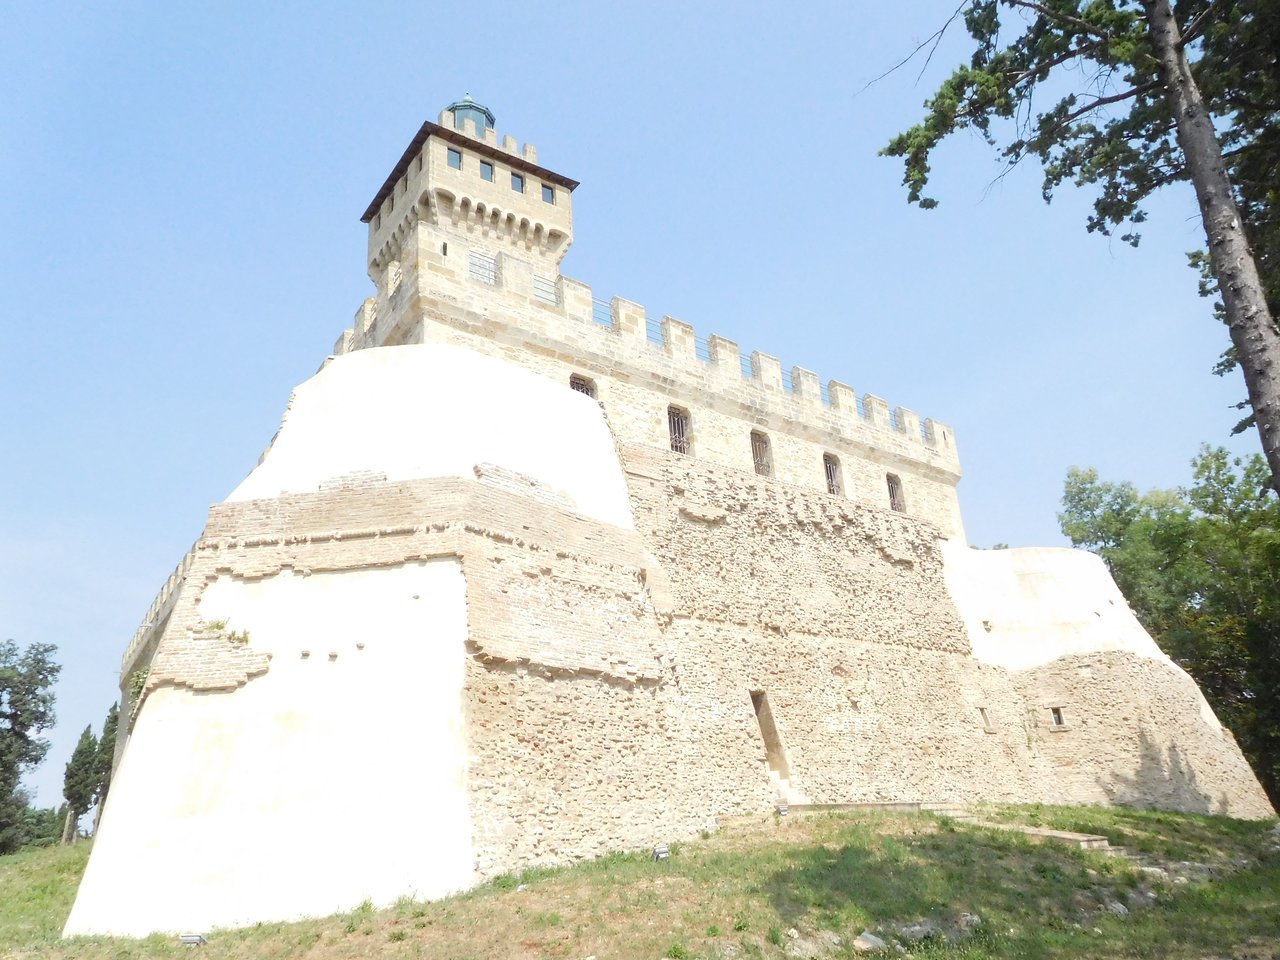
[(760, 887)]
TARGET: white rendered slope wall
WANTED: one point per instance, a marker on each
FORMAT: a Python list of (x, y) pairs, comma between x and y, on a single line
[(273, 801), (318, 785), (1028, 606), (434, 410)]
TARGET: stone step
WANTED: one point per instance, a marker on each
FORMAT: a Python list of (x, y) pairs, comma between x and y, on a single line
[(1083, 841)]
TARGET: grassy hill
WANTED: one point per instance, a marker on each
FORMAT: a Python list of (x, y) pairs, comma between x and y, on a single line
[(801, 886)]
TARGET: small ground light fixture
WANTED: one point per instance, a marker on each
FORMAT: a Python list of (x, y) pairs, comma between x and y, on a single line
[(661, 852), (192, 940)]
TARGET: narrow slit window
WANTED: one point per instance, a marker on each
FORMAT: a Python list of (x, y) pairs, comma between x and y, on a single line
[(517, 182), (678, 424), (760, 454), (831, 469), (583, 385), (986, 720), (455, 158), (1058, 719), (896, 500), (486, 170)]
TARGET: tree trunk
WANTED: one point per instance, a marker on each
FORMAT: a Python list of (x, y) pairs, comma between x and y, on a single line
[(69, 827), (1253, 329)]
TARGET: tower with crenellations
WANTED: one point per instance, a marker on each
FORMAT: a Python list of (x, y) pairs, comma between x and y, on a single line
[(561, 578), (466, 237)]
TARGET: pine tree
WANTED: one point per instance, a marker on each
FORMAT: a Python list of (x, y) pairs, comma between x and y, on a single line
[(105, 759), (80, 782)]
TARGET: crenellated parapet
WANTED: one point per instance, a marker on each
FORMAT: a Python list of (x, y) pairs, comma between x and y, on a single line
[(466, 237), (566, 317)]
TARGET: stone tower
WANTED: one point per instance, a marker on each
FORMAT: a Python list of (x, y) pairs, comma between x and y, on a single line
[(457, 195)]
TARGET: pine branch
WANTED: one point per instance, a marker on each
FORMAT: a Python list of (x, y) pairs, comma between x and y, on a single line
[(1084, 26), (1137, 91)]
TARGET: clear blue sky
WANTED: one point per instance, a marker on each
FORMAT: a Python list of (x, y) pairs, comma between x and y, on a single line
[(180, 192)]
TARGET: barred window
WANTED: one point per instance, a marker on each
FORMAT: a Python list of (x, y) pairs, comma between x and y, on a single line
[(760, 454), (678, 424), (896, 500), (831, 467), (583, 385)]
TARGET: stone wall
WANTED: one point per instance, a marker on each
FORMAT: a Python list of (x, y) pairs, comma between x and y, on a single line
[(1136, 731), (732, 642)]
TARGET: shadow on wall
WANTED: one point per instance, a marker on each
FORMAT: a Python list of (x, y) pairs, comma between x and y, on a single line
[(1162, 781)]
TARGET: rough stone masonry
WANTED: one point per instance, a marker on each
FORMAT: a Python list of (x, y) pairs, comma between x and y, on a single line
[(543, 579)]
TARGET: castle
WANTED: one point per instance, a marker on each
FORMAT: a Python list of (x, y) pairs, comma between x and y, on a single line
[(534, 577)]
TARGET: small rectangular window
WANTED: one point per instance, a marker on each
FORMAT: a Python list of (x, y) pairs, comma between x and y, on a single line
[(1056, 713), (678, 424), (583, 385), (831, 467), (986, 720), (761, 454), (455, 158), (548, 194), (896, 500), (486, 170), (517, 182)]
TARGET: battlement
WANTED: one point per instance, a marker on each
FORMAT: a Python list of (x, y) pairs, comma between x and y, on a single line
[(465, 242), (701, 370)]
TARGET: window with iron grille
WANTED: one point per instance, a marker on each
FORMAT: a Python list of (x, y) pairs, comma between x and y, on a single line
[(760, 454), (546, 290), (831, 467), (583, 385), (484, 269), (896, 500), (678, 423)]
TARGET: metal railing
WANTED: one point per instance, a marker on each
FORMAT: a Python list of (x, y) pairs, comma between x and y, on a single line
[(602, 312), (484, 269), (653, 331), (546, 290)]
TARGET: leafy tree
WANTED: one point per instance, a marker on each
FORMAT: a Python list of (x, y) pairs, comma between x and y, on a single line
[(1201, 569), (80, 782), (104, 761), (1135, 89), (26, 710), (42, 826)]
